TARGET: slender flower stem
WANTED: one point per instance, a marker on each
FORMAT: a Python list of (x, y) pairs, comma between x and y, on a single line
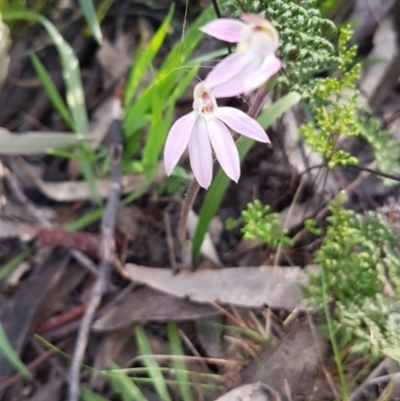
[(187, 206), (194, 187), (257, 103)]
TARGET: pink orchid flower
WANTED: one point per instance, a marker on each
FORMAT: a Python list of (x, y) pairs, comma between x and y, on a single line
[(205, 127), (254, 62)]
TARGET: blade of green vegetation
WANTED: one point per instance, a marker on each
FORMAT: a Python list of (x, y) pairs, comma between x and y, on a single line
[(157, 130), (73, 84), (161, 124), (13, 263), (221, 182), (70, 67), (88, 395), (170, 74), (179, 365), (91, 18), (34, 142), (12, 357), (181, 87), (143, 59), (51, 90), (85, 220), (155, 373), (124, 386)]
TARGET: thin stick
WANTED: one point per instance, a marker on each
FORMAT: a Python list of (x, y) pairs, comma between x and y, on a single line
[(298, 193), (107, 251), (170, 243), (187, 206)]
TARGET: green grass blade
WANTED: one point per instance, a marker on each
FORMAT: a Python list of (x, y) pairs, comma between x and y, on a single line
[(70, 67), (161, 124), (73, 84), (13, 263), (91, 18), (270, 114), (157, 131), (85, 220), (170, 74), (144, 59), (124, 386), (179, 365), (51, 90), (12, 357), (155, 373), (88, 395), (221, 182)]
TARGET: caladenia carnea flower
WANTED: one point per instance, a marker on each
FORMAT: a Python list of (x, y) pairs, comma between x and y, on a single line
[(254, 61), (207, 128)]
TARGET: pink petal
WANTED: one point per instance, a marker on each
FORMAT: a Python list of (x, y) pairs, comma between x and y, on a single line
[(242, 123), (225, 148), (227, 69), (235, 85), (200, 153), (255, 19), (268, 69), (177, 140), (225, 29)]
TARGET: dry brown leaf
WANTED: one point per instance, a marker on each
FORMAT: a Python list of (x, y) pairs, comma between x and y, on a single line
[(292, 364), (254, 287), (146, 304)]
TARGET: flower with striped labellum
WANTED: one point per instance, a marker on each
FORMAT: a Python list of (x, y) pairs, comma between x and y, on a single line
[(254, 61), (206, 128)]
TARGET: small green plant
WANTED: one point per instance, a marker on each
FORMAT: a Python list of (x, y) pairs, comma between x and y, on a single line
[(230, 224), (334, 105), (385, 148), (261, 223), (359, 262)]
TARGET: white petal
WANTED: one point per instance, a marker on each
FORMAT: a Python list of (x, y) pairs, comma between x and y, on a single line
[(226, 69), (224, 29), (177, 140), (241, 123), (268, 69), (225, 148), (236, 84), (200, 153)]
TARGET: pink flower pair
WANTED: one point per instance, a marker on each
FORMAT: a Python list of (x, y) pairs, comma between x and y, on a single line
[(253, 64)]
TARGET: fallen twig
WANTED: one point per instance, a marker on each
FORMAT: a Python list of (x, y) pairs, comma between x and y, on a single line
[(107, 251)]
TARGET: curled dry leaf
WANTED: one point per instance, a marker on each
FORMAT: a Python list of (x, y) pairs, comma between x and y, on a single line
[(252, 287)]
